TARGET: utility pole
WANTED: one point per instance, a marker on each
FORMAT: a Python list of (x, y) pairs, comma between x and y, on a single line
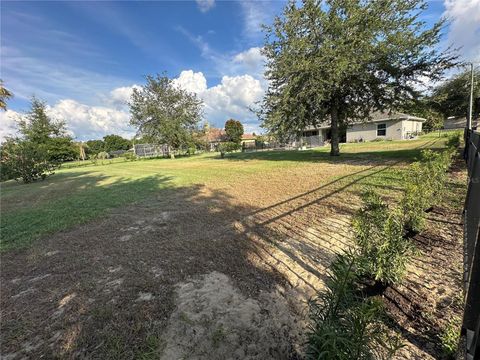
[(470, 110)]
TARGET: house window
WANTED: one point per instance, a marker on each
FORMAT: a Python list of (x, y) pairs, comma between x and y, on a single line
[(381, 129)]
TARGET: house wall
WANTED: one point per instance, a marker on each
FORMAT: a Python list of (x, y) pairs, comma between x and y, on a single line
[(410, 127), (368, 131)]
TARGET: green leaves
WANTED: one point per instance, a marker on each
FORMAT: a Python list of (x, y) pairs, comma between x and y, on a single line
[(425, 183), (234, 130), (164, 112), (379, 236), (42, 147), (345, 324)]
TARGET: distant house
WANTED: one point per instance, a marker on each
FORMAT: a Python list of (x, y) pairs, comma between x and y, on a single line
[(215, 136), (395, 126), (458, 122), (248, 140)]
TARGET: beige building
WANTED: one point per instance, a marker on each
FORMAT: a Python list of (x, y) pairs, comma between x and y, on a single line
[(396, 126)]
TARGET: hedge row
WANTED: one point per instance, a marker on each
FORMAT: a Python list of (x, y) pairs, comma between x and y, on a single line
[(346, 322)]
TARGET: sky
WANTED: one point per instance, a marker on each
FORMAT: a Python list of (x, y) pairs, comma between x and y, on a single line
[(84, 57)]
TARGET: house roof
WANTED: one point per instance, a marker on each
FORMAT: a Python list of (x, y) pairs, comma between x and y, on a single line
[(248, 137), (215, 135), (374, 117)]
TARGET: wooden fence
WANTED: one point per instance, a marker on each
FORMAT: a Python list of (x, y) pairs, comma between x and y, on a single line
[(471, 316)]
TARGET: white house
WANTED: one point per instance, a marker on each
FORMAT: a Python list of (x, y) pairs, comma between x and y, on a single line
[(395, 126)]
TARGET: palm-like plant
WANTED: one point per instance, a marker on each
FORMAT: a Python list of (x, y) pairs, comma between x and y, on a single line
[(344, 323), (4, 96)]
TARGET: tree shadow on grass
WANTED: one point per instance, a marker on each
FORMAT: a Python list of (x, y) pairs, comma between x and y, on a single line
[(75, 293), (75, 198), (323, 155)]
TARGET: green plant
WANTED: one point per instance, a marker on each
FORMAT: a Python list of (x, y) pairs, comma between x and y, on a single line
[(102, 155), (26, 160), (379, 236), (417, 197), (128, 156), (425, 183), (343, 323), (227, 147), (450, 337), (454, 141)]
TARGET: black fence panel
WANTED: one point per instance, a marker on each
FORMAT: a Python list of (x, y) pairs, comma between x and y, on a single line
[(471, 317)]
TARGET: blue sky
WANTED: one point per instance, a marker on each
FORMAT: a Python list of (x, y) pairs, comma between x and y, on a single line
[(83, 58)]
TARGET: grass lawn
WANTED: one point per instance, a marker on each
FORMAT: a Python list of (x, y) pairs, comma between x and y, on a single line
[(161, 259), (77, 194)]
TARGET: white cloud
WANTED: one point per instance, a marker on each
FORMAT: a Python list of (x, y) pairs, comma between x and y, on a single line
[(83, 122), (464, 28), (231, 98), (252, 61), (191, 81), (121, 95), (8, 122), (91, 122), (205, 5), (255, 14)]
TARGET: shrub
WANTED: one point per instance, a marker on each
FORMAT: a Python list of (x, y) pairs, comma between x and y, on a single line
[(454, 141), (227, 147), (425, 183), (128, 156), (343, 323), (379, 236), (26, 160), (417, 197), (102, 155)]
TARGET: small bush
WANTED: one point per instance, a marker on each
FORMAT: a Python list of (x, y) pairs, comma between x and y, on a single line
[(227, 147), (343, 323), (379, 236), (128, 156), (102, 155), (26, 160), (417, 197), (454, 141)]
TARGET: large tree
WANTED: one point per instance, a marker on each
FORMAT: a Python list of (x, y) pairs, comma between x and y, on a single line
[(115, 142), (95, 146), (451, 98), (41, 147), (165, 112), (234, 130), (339, 60)]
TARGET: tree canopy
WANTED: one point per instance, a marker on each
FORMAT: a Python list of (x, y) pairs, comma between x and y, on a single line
[(234, 130), (165, 112), (41, 147), (451, 98), (340, 60), (115, 142)]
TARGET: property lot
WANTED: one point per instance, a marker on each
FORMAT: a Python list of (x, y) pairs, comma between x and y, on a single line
[(204, 257)]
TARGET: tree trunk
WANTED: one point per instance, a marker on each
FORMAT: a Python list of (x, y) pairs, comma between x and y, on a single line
[(335, 149)]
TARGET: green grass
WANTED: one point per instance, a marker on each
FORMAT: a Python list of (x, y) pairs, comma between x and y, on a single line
[(77, 195)]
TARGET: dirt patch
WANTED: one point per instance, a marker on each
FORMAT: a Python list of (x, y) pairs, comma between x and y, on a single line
[(212, 317)]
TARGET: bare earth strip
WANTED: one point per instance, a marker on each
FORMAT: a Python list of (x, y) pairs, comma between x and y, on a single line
[(218, 270)]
